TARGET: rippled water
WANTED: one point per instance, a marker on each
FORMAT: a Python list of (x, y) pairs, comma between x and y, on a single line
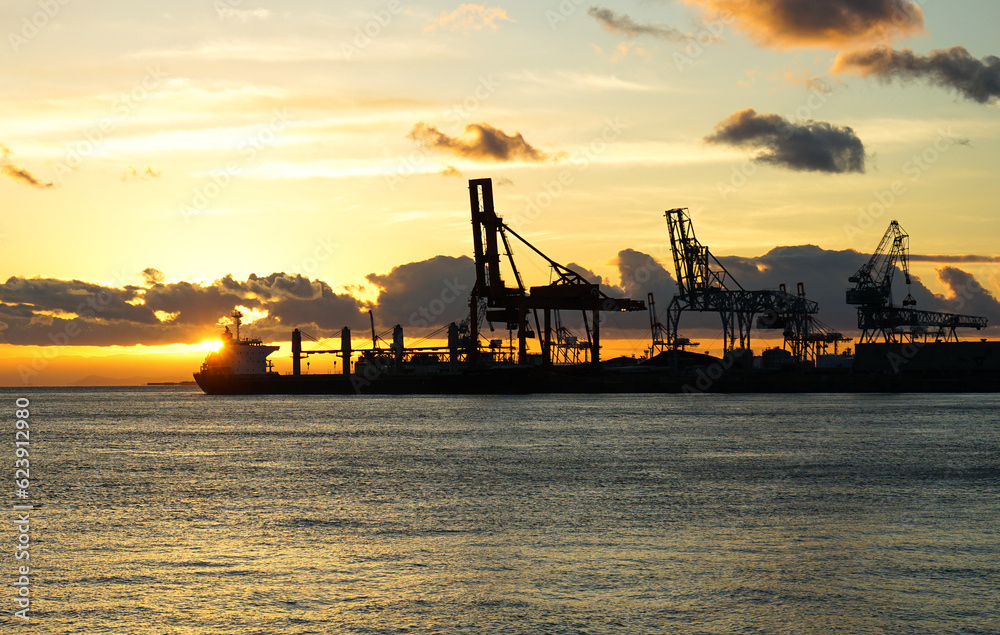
[(168, 511)]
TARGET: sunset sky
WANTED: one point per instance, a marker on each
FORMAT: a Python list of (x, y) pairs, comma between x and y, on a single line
[(163, 163)]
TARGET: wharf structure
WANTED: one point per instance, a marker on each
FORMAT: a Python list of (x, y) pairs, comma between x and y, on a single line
[(901, 348)]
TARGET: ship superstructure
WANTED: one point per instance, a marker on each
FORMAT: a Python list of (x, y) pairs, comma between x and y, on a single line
[(238, 356)]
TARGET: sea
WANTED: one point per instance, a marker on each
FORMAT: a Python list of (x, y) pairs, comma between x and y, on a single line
[(161, 510)]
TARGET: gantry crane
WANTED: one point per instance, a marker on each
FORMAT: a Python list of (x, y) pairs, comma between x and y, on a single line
[(568, 348), (705, 285), (813, 338), (872, 294), (658, 332), (493, 299)]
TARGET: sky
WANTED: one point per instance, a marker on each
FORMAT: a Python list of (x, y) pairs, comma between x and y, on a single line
[(161, 164)]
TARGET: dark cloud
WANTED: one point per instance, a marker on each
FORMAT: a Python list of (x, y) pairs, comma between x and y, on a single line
[(322, 314), (830, 23), (29, 328), (195, 304), (421, 296), (962, 258), (597, 279), (641, 274), (418, 295), (813, 146), (823, 272), (425, 294), (43, 311), (616, 23), (967, 296), (75, 297), (638, 274), (8, 169), (481, 142), (274, 286), (152, 275), (954, 68)]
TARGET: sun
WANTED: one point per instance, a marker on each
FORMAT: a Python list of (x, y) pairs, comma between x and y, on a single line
[(210, 346)]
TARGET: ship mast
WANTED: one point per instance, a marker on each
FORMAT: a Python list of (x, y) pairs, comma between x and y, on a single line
[(236, 315)]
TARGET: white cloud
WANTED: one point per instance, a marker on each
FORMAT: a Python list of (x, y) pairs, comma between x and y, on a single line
[(468, 18), (243, 15)]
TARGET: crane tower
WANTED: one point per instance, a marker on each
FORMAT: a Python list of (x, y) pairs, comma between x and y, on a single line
[(878, 317)]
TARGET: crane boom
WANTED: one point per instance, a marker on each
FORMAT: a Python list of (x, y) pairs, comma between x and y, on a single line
[(873, 281), (705, 285), (872, 294)]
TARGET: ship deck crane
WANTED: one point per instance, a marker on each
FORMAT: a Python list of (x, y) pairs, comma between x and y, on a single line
[(872, 294)]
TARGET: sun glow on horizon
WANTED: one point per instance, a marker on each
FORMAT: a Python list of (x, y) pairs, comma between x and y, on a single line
[(210, 346)]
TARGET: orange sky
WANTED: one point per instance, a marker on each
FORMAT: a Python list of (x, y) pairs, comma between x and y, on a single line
[(161, 165)]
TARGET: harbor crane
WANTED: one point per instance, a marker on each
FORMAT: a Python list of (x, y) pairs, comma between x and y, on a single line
[(878, 317), (704, 285), (493, 299), (659, 332)]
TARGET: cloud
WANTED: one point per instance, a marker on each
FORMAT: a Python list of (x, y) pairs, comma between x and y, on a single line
[(132, 174), (8, 169), (615, 23), (469, 17), (451, 170), (638, 274), (589, 81), (323, 313), (42, 311), (431, 292), (954, 68), (481, 142), (955, 258), (967, 296), (152, 276), (623, 50), (421, 296), (594, 278), (195, 304), (814, 146), (823, 272), (641, 274), (45, 311), (831, 23), (243, 15), (272, 287)]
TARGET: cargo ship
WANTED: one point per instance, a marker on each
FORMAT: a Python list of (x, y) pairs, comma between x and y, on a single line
[(901, 348)]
